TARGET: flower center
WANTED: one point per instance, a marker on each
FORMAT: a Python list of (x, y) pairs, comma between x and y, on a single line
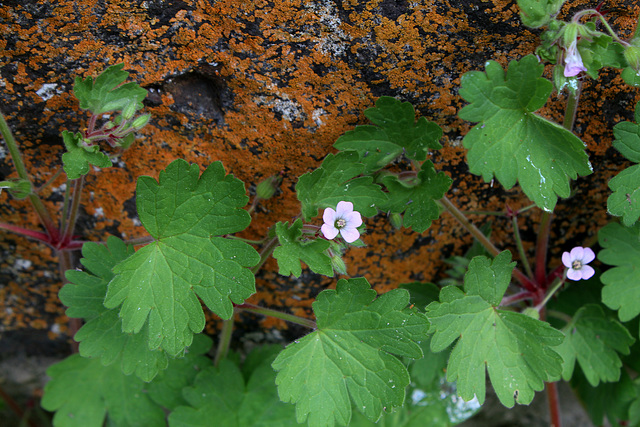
[(576, 264), (340, 223)]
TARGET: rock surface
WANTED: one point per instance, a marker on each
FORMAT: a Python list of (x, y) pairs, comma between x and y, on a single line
[(267, 87)]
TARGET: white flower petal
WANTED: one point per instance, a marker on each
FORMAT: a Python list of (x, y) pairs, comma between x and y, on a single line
[(574, 274), (344, 208), (577, 253), (350, 235), (587, 272), (588, 256), (329, 216), (329, 231), (354, 219), (566, 259)]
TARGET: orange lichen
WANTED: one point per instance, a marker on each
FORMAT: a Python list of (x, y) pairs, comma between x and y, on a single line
[(298, 75)]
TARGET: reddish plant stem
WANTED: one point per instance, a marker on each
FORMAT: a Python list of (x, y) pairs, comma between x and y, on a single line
[(15, 407), (520, 296), (554, 407), (490, 247), (38, 235), (542, 246)]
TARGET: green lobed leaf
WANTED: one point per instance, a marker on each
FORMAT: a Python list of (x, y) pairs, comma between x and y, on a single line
[(625, 199), (511, 142), (536, 13), (627, 137), (595, 341), (421, 294), (430, 400), (335, 181), (514, 348), (166, 388), (354, 349), (107, 93), (293, 249), (417, 200), (622, 251), (83, 393), (78, 158), (373, 146), (600, 51), (397, 132), (161, 283), (234, 397), (101, 336), (631, 77), (612, 400)]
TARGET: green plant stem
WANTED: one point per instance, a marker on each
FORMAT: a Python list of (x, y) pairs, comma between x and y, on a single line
[(277, 314), (520, 246), (50, 181), (14, 152), (484, 241), (65, 205), (603, 21), (571, 109), (225, 341), (560, 315), (475, 231), (75, 206), (265, 254), (250, 241), (549, 294), (144, 240)]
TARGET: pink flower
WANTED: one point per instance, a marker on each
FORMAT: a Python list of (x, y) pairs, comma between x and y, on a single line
[(573, 61), (576, 261), (343, 220)]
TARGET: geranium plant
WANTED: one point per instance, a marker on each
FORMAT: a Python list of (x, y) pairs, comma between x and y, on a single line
[(139, 306)]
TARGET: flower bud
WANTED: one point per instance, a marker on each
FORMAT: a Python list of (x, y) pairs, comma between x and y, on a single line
[(396, 220), (267, 188), (570, 34), (140, 121), (129, 110), (18, 188), (338, 264), (531, 312), (632, 55)]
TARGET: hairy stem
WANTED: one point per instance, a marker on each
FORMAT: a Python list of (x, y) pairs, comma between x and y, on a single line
[(50, 180), (521, 252), (265, 254), (277, 314), (512, 299), (75, 206), (14, 152), (558, 284), (571, 109), (479, 235), (560, 315), (225, 341), (38, 235)]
